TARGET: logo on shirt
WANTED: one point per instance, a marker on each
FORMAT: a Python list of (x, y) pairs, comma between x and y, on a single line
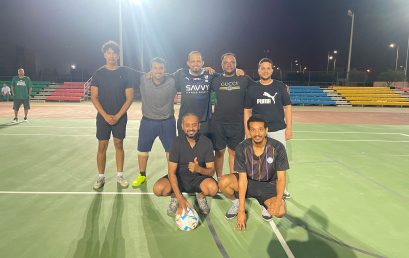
[(270, 160), (229, 86), (197, 89), (21, 83), (267, 101)]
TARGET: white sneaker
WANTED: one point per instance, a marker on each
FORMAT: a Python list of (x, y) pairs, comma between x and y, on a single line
[(122, 181), (265, 214), (99, 183)]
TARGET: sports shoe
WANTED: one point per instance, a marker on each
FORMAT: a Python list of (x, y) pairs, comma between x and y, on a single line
[(15, 120), (233, 210), (122, 181), (173, 206), (203, 207), (139, 180), (286, 195), (265, 214), (25, 119), (99, 183)]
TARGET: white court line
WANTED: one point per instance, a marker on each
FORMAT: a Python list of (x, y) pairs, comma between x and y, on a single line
[(348, 132), (404, 134), (346, 140), (73, 193), (130, 136), (280, 237)]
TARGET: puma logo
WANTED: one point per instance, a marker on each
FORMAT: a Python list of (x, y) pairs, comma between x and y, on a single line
[(271, 97)]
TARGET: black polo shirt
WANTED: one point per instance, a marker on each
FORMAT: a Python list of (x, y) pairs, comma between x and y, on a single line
[(181, 153)]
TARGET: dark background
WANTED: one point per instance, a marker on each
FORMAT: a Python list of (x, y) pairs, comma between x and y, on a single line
[(47, 36)]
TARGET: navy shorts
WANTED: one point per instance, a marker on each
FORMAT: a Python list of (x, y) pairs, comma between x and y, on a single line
[(104, 129), (229, 135), (191, 184), (18, 102), (149, 129), (261, 191)]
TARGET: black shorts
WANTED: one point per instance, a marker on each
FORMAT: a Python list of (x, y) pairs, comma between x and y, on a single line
[(18, 102), (229, 135), (204, 128), (104, 129), (191, 184), (261, 191)]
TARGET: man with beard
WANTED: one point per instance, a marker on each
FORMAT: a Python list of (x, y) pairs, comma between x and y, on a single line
[(270, 99), (261, 163), (227, 121), (190, 169)]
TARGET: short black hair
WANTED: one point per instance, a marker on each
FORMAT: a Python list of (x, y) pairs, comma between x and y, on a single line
[(110, 45), (158, 60), (190, 114), (228, 54), (265, 60), (256, 118)]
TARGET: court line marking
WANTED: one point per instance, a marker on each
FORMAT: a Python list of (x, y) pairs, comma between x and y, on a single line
[(216, 238), (280, 237), (407, 135), (131, 136), (74, 193), (346, 132), (338, 242)]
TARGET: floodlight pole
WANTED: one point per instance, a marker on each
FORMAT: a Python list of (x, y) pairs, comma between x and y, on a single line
[(121, 47), (397, 57), (406, 66), (350, 13)]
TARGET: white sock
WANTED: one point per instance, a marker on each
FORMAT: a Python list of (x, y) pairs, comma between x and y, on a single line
[(236, 201), (119, 174), (101, 175)]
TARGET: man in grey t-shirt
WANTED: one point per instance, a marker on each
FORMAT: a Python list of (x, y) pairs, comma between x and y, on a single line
[(158, 94)]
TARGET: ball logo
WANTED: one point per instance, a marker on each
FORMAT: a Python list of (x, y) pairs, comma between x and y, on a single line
[(270, 160)]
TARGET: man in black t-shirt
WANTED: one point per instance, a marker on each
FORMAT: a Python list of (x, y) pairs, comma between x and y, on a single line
[(261, 163), (190, 169), (112, 95), (270, 99), (227, 122)]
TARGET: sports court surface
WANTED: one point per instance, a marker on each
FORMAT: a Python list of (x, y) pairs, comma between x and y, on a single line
[(349, 181)]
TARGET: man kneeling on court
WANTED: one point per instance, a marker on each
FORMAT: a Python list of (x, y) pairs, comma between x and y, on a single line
[(261, 163), (190, 169)]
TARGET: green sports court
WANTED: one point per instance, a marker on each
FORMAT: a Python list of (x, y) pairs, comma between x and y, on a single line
[(348, 181)]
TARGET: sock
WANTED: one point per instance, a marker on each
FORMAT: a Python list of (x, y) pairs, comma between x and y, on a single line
[(101, 175), (236, 201), (143, 173), (119, 174)]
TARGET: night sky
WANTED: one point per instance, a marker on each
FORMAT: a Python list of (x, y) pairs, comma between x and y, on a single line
[(64, 32)]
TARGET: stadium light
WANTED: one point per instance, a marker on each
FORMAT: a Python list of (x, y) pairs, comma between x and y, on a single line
[(73, 66), (394, 45), (352, 15), (120, 29), (368, 70), (330, 57)]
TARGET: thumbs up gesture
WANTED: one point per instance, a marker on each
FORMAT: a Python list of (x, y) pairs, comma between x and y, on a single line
[(194, 166)]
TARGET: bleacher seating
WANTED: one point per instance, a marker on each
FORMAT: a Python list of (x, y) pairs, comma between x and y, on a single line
[(69, 91), (371, 96), (310, 95)]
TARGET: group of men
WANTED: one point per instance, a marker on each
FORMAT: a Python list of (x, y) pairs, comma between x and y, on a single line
[(259, 111)]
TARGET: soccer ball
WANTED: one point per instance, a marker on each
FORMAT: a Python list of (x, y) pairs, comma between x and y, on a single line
[(188, 220)]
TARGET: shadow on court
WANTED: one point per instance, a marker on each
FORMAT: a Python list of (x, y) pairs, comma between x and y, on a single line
[(319, 243), (114, 243), (89, 244)]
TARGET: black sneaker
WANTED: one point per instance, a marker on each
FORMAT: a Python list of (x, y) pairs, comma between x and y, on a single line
[(15, 120), (25, 119)]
